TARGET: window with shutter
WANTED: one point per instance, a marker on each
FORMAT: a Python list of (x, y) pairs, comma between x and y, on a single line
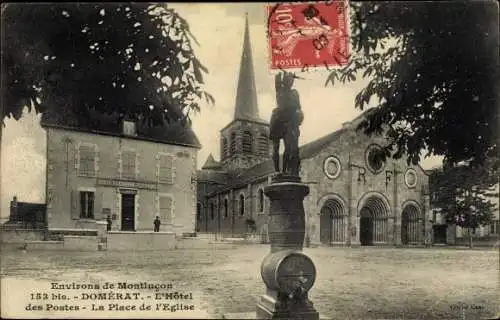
[(166, 209), (166, 168), (128, 165), (233, 143), (75, 204), (263, 144), (225, 150), (247, 142), (494, 226), (87, 163), (86, 205)]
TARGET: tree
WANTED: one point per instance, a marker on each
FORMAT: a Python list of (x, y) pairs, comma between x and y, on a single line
[(131, 58), (464, 194), (434, 69)]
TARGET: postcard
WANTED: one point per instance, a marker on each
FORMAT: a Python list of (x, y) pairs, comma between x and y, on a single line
[(295, 160)]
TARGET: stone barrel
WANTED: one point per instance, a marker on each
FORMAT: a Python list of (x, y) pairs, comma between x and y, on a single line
[(285, 271)]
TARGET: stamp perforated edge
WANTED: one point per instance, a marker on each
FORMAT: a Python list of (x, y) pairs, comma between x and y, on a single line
[(309, 69)]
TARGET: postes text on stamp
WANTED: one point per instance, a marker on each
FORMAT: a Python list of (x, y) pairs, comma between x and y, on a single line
[(308, 35)]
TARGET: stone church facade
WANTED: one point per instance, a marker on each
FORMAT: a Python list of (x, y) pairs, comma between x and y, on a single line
[(354, 198)]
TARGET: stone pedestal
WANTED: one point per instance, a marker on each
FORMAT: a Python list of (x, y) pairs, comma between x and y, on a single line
[(287, 272), (271, 306), (286, 221)]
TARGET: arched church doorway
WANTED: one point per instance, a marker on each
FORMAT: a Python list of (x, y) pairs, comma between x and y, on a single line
[(373, 217), (410, 224), (366, 227), (332, 222)]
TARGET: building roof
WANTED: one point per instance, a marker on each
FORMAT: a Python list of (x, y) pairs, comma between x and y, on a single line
[(312, 148), (98, 123), (210, 163), (263, 169), (246, 93), (212, 177)]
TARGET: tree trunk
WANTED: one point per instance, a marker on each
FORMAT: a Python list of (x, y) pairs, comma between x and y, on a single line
[(1, 129), (470, 237)]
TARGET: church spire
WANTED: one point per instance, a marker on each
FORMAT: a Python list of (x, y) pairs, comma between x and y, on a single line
[(246, 93)]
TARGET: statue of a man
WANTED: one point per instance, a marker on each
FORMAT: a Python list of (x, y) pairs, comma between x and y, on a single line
[(285, 122)]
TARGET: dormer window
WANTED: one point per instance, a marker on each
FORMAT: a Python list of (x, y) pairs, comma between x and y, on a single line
[(129, 128)]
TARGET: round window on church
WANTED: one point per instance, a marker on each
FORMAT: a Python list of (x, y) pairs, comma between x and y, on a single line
[(332, 167), (373, 158), (411, 178)]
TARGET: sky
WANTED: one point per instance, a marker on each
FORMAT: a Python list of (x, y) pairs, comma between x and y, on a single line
[(219, 30)]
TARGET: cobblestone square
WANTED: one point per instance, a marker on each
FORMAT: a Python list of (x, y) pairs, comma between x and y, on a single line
[(352, 283)]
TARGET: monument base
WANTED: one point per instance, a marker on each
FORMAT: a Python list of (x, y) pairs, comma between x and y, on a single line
[(281, 177), (271, 308)]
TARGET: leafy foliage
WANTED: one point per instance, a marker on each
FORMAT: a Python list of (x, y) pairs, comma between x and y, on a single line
[(132, 59), (434, 69), (464, 193)]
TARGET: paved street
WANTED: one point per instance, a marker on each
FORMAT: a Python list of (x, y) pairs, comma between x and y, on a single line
[(363, 283)]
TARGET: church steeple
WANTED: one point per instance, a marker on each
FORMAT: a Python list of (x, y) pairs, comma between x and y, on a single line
[(246, 93), (244, 142)]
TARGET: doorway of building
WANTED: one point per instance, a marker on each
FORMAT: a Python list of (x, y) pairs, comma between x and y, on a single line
[(366, 227), (325, 231), (439, 231), (332, 222), (128, 212), (373, 220), (410, 225)]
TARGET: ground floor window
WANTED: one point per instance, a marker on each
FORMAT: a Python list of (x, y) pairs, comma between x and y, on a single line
[(86, 205), (495, 225)]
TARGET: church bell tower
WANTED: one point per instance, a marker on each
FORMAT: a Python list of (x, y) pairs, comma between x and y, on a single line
[(244, 141)]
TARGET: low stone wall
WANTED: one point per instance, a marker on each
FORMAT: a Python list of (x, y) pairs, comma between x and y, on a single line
[(140, 241), (80, 243), (21, 235), (201, 243), (44, 245), (86, 224), (487, 241)]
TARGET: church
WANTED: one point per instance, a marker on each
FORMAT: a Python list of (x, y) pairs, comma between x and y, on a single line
[(355, 199)]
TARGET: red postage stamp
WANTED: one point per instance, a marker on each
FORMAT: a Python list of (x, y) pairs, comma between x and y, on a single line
[(308, 35)]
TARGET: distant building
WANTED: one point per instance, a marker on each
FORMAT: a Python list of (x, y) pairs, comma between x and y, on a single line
[(446, 233), (132, 172), (354, 199), (26, 215)]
